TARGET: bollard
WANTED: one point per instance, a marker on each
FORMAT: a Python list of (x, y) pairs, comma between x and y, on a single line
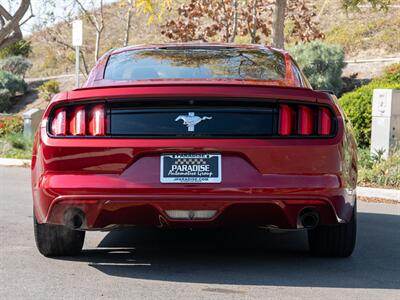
[(385, 131), (32, 119)]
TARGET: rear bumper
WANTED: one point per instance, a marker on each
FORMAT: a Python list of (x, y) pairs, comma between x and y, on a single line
[(108, 200)]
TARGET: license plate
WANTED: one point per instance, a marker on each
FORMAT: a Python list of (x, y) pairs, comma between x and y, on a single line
[(190, 168)]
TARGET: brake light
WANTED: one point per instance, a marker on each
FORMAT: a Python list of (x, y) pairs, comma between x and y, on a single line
[(96, 123), (305, 120), (58, 125), (285, 119), (79, 121), (325, 121), (77, 125)]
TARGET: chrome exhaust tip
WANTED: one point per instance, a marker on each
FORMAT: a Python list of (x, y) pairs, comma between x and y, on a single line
[(309, 218), (74, 218)]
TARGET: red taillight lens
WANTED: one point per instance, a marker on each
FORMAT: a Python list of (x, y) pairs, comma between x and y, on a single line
[(79, 120), (59, 123), (325, 122), (77, 124), (97, 121), (305, 120), (285, 119)]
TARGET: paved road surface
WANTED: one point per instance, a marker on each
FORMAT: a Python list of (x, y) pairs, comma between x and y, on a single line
[(150, 264)]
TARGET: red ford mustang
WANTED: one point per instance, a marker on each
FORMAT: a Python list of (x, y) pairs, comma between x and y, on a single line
[(191, 135)]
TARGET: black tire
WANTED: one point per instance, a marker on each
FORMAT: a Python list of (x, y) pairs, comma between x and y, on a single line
[(57, 240), (334, 240)]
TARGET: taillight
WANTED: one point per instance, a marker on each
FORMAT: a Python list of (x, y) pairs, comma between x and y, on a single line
[(82, 120), (77, 125), (325, 121), (304, 120), (96, 122), (59, 123), (285, 119)]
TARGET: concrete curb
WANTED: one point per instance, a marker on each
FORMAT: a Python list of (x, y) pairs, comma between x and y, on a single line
[(13, 162), (378, 193), (368, 192)]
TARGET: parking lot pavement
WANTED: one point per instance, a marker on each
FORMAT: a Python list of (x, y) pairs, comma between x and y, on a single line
[(156, 264)]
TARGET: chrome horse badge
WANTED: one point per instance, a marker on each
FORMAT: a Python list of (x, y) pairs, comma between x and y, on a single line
[(191, 120)]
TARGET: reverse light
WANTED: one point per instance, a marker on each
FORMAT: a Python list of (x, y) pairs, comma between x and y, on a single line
[(191, 214)]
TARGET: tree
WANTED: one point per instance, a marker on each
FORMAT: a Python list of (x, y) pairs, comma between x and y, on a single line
[(207, 19), (129, 5), (153, 8), (10, 25), (278, 21), (95, 15), (224, 19)]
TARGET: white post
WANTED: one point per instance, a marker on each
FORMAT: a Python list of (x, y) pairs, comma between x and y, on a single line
[(77, 39), (77, 60), (385, 131)]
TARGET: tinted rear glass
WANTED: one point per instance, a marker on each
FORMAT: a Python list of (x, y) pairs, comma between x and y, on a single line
[(196, 63)]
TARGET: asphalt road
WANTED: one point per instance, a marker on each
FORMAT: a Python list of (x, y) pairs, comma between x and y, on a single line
[(154, 264)]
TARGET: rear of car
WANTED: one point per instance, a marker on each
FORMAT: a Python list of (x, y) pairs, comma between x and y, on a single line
[(194, 136)]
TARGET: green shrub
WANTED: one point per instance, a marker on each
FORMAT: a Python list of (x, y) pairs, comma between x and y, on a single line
[(20, 48), (321, 63), (12, 82), (392, 73), (358, 105), (17, 65), (379, 172), (15, 145), (48, 89), (5, 100), (11, 125)]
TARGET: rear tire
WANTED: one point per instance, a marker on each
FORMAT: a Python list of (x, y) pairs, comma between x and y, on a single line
[(334, 240), (57, 240)]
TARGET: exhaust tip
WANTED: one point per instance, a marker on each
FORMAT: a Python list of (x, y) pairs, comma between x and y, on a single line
[(74, 218), (309, 218)]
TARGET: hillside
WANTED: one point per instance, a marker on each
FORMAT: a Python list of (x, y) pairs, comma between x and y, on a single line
[(364, 34)]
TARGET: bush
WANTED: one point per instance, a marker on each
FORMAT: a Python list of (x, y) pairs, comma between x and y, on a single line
[(48, 89), (11, 125), (12, 82), (20, 48), (5, 99), (321, 63), (392, 73), (375, 171), (358, 105), (17, 65), (15, 145)]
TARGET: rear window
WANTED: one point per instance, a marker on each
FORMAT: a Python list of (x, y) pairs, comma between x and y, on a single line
[(196, 63)]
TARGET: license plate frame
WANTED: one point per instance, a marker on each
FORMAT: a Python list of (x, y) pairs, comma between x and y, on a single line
[(191, 168)]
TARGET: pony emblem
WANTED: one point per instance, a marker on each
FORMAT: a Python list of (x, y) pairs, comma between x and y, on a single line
[(191, 120)]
